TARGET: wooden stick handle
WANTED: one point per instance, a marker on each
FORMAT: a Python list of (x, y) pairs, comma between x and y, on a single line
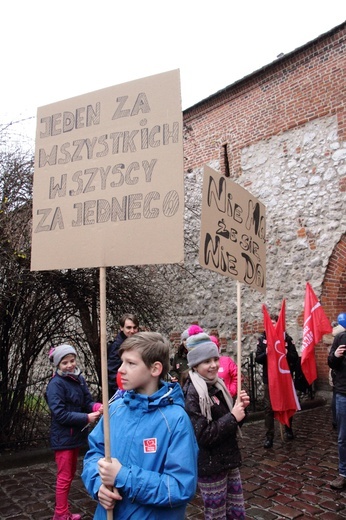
[(104, 370)]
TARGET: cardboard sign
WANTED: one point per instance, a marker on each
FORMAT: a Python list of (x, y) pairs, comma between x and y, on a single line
[(108, 181), (233, 231)]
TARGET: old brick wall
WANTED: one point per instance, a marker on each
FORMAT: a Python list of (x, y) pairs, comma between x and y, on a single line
[(304, 85), (280, 133)]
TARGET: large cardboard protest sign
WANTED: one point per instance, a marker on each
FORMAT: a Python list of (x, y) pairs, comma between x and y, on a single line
[(108, 180), (232, 231)]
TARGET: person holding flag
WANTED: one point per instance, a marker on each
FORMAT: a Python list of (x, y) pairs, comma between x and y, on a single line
[(280, 400), (339, 326), (337, 362)]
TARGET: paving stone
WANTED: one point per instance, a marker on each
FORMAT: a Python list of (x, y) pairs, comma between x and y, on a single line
[(286, 512), (259, 514), (334, 506), (282, 499), (260, 502), (305, 507), (249, 487), (333, 516)]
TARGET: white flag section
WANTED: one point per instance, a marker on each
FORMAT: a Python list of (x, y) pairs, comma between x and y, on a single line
[(233, 231), (108, 180)]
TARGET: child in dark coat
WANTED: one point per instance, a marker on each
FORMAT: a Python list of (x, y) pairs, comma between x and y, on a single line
[(216, 423), (72, 409)]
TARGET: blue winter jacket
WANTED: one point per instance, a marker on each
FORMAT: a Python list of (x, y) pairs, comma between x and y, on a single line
[(70, 402), (153, 439)]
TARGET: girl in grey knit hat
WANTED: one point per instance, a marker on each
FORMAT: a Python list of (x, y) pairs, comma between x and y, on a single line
[(72, 410), (216, 422)]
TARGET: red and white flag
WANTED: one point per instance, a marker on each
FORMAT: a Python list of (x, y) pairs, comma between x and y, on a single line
[(316, 324), (283, 397)]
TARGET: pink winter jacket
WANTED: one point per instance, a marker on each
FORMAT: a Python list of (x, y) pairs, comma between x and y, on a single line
[(228, 372)]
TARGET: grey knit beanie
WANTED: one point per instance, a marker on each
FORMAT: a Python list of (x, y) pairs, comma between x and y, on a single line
[(200, 348), (57, 353)]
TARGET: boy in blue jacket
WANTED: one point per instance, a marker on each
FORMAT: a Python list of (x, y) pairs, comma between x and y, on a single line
[(153, 472)]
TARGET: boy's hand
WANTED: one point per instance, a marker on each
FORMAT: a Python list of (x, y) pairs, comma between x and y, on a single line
[(108, 471), (108, 498)]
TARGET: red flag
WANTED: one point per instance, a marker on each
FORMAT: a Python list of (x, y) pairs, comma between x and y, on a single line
[(316, 324), (283, 397)]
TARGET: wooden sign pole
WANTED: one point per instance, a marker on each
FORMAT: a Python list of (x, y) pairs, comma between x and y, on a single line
[(238, 338), (239, 332), (104, 370)]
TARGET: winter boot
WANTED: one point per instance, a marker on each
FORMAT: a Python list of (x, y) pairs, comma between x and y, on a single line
[(66, 516)]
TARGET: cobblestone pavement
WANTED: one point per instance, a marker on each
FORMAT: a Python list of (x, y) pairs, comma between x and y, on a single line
[(289, 481)]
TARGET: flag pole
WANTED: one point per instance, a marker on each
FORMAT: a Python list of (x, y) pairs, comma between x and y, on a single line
[(238, 339), (104, 371)]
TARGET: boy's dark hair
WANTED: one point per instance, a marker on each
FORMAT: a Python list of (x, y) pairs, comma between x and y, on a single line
[(131, 317), (152, 346)]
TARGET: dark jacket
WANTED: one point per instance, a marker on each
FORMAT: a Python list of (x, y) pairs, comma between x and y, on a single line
[(70, 402), (179, 363), (114, 362), (338, 365), (261, 354), (217, 440)]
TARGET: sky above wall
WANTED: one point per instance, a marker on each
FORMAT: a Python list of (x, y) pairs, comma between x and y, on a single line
[(54, 50)]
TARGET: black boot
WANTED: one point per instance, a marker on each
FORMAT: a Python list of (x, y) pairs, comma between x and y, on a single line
[(289, 433), (268, 443)]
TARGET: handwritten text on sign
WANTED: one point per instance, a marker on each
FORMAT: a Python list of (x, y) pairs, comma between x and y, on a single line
[(108, 186), (232, 231)]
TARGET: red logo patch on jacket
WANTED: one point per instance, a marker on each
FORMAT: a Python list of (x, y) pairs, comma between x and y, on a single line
[(150, 445)]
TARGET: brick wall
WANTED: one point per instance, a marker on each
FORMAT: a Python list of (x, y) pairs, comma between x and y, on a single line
[(286, 120), (298, 88)]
